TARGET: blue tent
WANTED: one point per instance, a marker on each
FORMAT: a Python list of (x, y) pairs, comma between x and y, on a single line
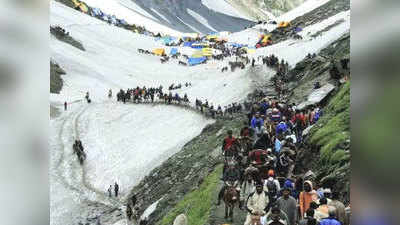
[(123, 22), (195, 61), (298, 29), (238, 45), (188, 44), (197, 46), (173, 51), (168, 40)]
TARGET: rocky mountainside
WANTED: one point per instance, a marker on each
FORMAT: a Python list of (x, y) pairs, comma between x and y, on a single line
[(262, 9), (191, 16), (317, 15)]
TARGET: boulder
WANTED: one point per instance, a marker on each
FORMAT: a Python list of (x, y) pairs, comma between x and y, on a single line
[(181, 220), (317, 96)]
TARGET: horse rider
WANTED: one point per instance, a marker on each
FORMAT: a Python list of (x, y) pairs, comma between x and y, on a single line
[(231, 175), (227, 145)]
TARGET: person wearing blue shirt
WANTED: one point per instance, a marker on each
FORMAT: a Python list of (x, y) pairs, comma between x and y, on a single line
[(331, 220), (257, 123)]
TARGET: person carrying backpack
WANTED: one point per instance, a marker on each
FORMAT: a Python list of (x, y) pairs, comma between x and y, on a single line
[(273, 187)]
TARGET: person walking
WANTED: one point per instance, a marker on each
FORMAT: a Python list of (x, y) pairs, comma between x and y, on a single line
[(306, 197), (65, 106), (288, 205), (110, 191), (116, 189)]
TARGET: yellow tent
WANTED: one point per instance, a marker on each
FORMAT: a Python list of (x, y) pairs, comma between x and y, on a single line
[(207, 52), (84, 8), (283, 24), (76, 2), (251, 51), (197, 54), (209, 37), (159, 51), (81, 5), (265, 39)]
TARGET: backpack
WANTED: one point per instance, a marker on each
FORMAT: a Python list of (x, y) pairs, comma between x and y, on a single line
[(272, 189)]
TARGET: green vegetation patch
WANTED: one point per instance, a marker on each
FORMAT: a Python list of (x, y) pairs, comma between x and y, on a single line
[(197, 204), (56, 81), (334, 127)]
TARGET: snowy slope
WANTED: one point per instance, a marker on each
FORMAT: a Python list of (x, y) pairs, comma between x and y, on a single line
[(122, 66), (125, 142), (223, 7), (302, 9)]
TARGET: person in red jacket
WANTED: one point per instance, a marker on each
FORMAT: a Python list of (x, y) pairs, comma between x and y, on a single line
[(299, 123), (228, 149)]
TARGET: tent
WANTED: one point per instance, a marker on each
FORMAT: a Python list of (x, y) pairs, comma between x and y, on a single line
[(197, 54), (113, 20), (283, 24), (123, 22), (264, 39), (237, 45), (191, 35), (173, 51), (199, 45), (195, 61), (81, 6), (169, 40), (159, 51), (207, 52), (210, 37), (105, 17), (188, 44), (298, 29), (96, 12), (250, 50)]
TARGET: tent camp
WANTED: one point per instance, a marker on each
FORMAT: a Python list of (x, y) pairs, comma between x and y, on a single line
[(283, 24), (195, 61), (159, 51), (173, 51)]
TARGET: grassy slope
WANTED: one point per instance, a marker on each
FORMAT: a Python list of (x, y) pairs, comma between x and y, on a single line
[(196, 204), (332, 135)]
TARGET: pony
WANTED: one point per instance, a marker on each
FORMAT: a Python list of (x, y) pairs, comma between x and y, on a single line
[(231, 197)]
